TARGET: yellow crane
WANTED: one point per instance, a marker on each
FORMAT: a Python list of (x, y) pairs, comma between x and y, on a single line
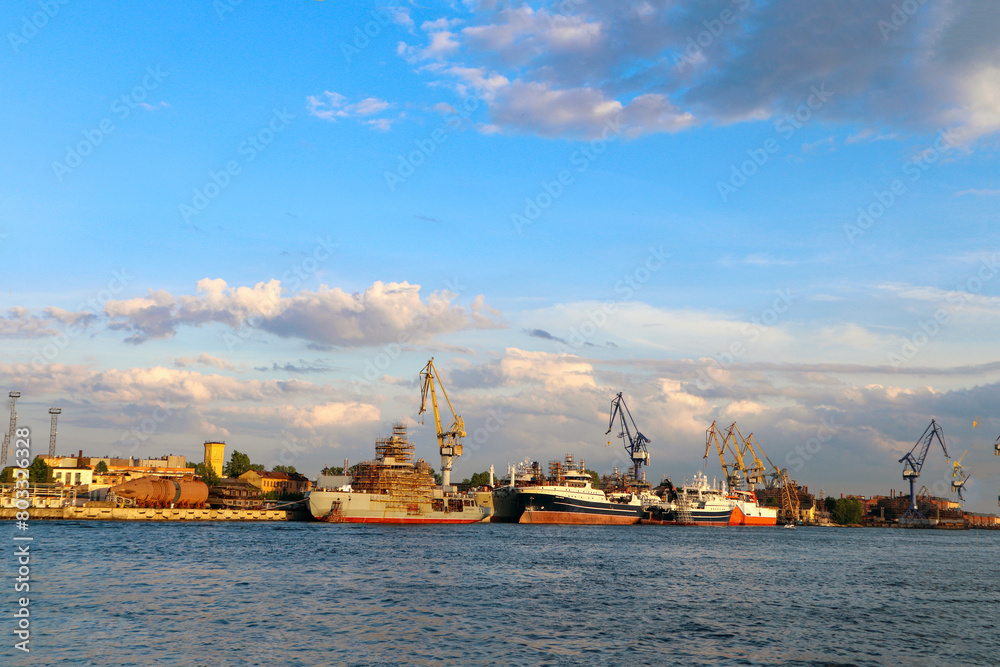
[(734, 477), (959, 476), (450, 439)]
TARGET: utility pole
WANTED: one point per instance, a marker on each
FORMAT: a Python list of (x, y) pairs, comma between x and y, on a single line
[(55, 412), (14, 395)]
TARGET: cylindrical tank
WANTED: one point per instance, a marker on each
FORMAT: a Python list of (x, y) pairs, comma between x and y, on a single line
[(185, 492)]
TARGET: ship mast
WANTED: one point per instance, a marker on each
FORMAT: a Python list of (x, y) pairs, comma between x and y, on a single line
[(450, 439)]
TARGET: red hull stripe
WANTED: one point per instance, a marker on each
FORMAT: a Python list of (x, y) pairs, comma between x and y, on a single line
[(360, 519), (581, 518)]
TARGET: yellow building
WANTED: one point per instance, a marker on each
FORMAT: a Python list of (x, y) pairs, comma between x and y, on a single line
[(215, 455), (277, 481)]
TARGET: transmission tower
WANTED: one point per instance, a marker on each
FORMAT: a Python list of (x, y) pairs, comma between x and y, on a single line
[(14, 395), (55, 412)]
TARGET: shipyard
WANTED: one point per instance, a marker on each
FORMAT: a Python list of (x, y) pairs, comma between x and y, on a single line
[(397, 488), (532, 332)]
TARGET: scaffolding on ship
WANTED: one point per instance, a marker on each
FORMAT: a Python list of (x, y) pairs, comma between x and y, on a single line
[(394, 476)]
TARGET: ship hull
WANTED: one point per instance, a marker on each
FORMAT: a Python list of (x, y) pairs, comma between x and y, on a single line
[(712, 518), (697, 517), (506, 508), (544, 508), (750, 514), (354, 507)]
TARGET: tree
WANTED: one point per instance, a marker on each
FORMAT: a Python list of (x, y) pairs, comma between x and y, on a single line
[(239, 463), (39, 472), (332, 470), (286, 469), (478, 479), (595, 476), (829, 504), (101, 467), (207, 473), (847, 511)]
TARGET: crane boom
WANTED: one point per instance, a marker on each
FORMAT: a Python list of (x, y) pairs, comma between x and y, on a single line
[(635, 445), (450, 439), (915, 463), (734, 477)]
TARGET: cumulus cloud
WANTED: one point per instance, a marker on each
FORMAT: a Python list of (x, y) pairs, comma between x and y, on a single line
[(333, 106), (664, 65), (19, 322), (383, 313), (205, 361)]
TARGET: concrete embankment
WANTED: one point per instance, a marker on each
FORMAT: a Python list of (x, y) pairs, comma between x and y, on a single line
[(149, 514)]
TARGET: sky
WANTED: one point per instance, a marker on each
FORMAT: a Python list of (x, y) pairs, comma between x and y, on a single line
[(257, 223)]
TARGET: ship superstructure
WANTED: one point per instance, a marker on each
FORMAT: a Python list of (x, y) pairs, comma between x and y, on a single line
[(393, 488)]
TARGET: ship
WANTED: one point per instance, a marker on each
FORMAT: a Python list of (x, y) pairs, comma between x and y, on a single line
[(393, 488), (696, 504), (566, 497), (746, 511), (702, 504)]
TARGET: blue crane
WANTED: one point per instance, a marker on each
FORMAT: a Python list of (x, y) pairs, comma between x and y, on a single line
[(635, 445), (914, 464)]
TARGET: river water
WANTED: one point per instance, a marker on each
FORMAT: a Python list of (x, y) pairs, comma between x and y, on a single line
[(129, 593)]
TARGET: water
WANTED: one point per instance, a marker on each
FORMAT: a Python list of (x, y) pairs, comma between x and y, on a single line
[(313, 594)]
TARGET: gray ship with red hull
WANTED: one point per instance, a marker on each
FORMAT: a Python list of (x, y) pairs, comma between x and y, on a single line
[(568, 498)]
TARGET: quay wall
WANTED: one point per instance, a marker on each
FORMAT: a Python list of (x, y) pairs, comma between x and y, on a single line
[(150, 514)]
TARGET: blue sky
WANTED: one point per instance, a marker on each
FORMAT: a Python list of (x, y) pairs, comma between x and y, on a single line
[(265, 221)]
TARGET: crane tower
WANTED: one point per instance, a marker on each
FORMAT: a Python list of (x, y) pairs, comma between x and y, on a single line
[(635, 445), (450, 439), (55, 412), (9, 437), (915, 463)]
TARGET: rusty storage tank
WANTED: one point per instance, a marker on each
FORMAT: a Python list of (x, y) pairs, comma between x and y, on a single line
[(186, 492)]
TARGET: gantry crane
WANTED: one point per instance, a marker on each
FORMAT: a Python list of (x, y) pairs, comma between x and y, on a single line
[(915, 463), (450, 439), (635, 445), (757, 473), (746, 467), (734, 477), (959, 477), (790, 504)]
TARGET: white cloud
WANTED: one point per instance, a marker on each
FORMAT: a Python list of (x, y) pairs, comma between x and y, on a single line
[(332, 106), (382, 313), (662, 61)]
